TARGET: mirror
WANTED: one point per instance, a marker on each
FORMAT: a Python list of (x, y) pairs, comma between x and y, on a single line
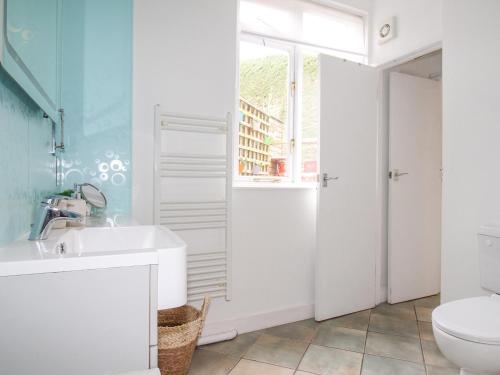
[(93, 195), (30, 49)]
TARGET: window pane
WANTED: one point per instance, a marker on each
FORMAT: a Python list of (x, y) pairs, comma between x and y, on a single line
[(310, 116), (303, 21), (264, 104)]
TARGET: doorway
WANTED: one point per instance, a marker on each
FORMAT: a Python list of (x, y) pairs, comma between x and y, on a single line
[(353, 210), (414, 178)]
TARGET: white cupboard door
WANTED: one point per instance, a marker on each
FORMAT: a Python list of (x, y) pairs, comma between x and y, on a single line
[(415, 144), (346, 228)]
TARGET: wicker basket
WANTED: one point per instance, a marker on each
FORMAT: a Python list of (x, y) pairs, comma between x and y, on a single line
[(178, 332)]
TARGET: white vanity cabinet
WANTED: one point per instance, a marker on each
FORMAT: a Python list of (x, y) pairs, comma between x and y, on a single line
[(92, 308), (85, 322)]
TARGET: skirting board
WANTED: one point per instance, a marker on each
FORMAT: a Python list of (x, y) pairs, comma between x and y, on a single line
[(227, 328), (382, 295)]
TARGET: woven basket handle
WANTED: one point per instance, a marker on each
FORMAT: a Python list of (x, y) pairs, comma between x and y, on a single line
[(204, 312)]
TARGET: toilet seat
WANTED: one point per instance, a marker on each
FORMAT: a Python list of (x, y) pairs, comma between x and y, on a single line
[(473, 319)]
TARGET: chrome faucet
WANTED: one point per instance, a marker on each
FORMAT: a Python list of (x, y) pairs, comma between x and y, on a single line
[(48, 213)]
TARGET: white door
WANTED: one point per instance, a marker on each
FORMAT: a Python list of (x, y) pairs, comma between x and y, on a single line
[(414, 187), (345, 260)]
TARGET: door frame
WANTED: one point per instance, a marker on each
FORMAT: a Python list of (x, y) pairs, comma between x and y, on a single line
[(382, 188), (415, 238)]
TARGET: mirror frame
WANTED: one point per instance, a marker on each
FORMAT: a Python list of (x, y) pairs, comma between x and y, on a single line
[(22, 75), (98, 190)]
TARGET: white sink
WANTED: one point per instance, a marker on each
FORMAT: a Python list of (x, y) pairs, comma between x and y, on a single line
[(104, 247), (106, 240)]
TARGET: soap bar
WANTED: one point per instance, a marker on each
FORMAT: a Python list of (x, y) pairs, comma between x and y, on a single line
[(59, 224), (77, 205)]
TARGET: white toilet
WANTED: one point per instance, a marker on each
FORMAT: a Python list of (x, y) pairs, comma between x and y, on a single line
[(468, 330)]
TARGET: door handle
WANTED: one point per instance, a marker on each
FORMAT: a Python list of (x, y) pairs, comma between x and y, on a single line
[(396, 174), (326, 179)]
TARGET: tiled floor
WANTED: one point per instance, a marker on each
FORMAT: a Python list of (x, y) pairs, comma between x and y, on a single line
[(389, 339)]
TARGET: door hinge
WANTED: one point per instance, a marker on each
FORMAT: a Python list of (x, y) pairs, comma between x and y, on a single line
[(292, 145), (293, 86)]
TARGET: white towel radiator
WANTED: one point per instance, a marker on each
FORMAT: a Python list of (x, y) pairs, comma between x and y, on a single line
[(193, 175)]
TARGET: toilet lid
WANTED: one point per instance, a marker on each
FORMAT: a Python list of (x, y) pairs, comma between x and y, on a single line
[(474, 319)]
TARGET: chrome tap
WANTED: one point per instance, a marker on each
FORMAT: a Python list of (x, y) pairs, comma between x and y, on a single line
[(48, 213)]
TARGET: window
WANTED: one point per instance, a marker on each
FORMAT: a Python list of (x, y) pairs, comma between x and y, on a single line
[(265, 110), (309, 116), (279, 112), (307, 23), (279, 84)]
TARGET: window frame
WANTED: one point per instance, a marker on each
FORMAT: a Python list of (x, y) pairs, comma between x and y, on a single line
[(294, 122), (360, 57)]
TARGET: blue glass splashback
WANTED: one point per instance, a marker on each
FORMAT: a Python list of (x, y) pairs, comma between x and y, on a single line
[(96, 97), (25, 163), (96, 94)]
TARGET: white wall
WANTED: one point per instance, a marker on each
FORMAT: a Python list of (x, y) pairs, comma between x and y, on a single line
[(418, 29), (471, 118), (273, 244), (418, 25), (471, 128), (185, 59)]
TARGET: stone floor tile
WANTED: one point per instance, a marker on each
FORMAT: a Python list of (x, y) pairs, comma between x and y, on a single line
[(404, 310), (397, 347), (277, 351), (329, 361), (373, 365), (341, 338), (390, 325), (236, 347), (246, 367), (425, 330), (431, 302), (302, 330), (433, 356), (357, 320), (435, 370), (206, 362), (424, 314)]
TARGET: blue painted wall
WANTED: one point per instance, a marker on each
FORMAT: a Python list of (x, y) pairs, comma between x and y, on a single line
[(96, 96), (25, 163)]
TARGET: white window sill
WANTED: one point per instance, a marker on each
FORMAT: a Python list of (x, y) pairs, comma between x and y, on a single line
[(273, 185)]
